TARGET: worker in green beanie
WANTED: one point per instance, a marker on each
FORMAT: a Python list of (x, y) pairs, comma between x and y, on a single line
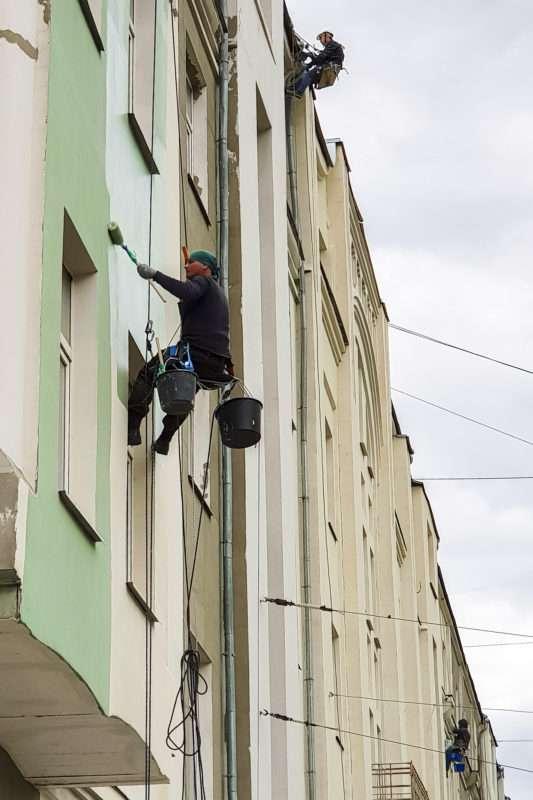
[(204, 337)]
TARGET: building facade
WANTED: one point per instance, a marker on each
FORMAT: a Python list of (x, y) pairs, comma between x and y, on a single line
[(114, 111)]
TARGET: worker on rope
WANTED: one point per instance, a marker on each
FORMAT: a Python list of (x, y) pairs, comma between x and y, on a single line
[(455, 752), (204, 339), (322, 68)]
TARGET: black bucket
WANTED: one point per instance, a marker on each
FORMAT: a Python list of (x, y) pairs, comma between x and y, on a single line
[(176, 389), (239, 420)]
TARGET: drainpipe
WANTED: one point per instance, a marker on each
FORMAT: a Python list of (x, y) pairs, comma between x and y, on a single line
[(227, 500), (304, 495)]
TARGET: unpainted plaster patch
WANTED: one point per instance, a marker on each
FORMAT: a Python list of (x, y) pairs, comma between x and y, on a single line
[(47, 8), (15, 38)]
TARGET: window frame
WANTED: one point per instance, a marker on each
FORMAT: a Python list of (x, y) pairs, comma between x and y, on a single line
[(65, 368)]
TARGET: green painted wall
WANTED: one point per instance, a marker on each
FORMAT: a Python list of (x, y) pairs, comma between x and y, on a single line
[(67, 591)]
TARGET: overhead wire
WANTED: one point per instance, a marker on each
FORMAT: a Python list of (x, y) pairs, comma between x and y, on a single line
[(480, 478), (462, 416), (498, 644), (436, 705), (293, 604), (461, 349), (307, 723)]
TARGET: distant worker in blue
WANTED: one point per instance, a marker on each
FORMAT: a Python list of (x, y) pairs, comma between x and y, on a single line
[(322, 67), (456, 751)]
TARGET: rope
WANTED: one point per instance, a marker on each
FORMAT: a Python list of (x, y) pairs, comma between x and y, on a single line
[(192, 683), (150, 482)]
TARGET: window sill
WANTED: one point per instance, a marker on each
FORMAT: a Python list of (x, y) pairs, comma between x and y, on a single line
[(91, 24), (74, 511), (198, 198), (141, 602), (198, 493), (143, 145)]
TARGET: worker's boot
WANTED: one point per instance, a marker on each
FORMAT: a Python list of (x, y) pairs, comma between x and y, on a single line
[(170, 426), (134, 430)]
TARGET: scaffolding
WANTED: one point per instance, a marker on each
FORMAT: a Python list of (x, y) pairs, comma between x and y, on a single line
[(398, 781)]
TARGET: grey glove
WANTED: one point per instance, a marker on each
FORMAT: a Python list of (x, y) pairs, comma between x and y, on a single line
[(145, 271)]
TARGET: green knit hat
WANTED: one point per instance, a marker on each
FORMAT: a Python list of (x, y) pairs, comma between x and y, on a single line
[(207, 259)]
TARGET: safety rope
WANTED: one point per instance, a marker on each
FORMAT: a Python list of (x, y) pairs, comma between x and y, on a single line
[(150, 478), (192, 683)]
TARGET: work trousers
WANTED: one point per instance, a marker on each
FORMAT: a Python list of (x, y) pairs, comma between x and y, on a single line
[(207, 367), (307, 77)]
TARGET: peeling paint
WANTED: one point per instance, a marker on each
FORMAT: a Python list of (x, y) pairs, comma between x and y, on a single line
[(47, 8), (15, 38)]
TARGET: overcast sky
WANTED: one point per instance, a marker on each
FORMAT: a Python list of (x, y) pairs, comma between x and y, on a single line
[(437, 117)]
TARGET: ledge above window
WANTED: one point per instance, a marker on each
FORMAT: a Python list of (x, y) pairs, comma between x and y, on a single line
[(75, 512), (91, 24), (143, 145)]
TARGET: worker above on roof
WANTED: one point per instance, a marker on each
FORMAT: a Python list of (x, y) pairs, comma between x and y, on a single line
[(204, 338), (460, 743), (325, 64)]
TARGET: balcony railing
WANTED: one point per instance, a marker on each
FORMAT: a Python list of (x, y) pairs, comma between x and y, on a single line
[(397, 782)]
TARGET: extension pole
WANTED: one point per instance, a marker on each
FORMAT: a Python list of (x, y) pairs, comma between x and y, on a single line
[(306, 545), (227, 485)]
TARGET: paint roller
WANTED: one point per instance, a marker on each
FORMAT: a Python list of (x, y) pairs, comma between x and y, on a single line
[(115, 234)]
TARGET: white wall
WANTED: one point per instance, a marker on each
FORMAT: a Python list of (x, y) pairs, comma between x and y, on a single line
[(24, 71)]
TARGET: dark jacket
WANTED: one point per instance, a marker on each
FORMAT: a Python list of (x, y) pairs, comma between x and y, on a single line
[(333, 53), (461, 738), (203, 310)]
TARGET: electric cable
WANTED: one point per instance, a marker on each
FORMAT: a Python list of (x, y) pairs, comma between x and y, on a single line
[(307, 723), (498, 644), (436, 705), (293, 604), (462, 416), (462, 349), (480, 478)]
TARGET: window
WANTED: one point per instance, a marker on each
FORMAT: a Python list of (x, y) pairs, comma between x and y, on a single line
[(138, 509), (199, 467), (373, 583), (330, 480), (196, 127), (189, 120), (78, 366), (432, 559), (65, 361), (141, 44), (372, 731), (367, 572), (401, 546)]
